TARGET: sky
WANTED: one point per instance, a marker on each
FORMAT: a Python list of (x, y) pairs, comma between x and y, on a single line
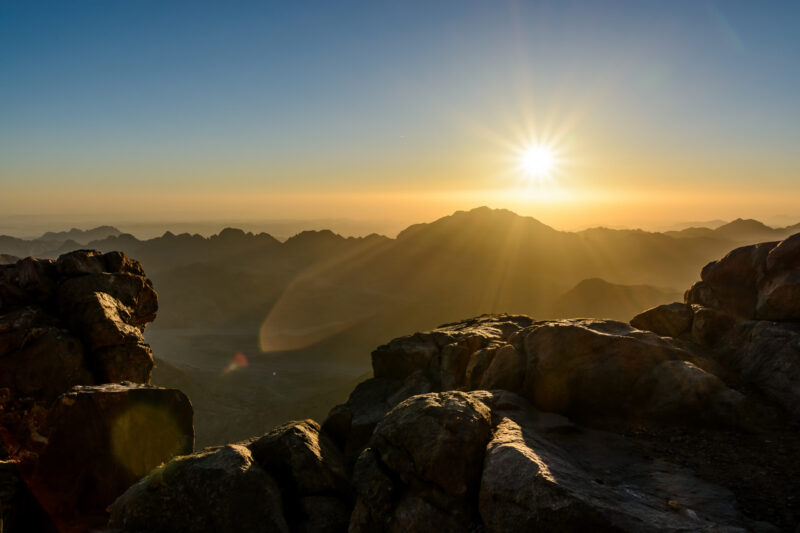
[(397, 112)]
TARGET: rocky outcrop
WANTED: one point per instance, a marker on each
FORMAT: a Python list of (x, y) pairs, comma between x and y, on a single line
[(451, 461), (503, 423), (590, 370), (292, 478), (78, 419), (745, 312)]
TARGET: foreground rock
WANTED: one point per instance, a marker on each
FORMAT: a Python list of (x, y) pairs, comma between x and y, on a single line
[(102, 439), (745, 313), (450, 462), (591, 370), (291, 478), (71, 329)]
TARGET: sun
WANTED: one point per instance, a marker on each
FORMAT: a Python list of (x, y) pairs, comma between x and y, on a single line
[(537, 161)]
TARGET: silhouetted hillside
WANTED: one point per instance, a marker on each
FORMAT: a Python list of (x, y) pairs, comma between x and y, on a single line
[(739, 231), (322, 300), (600, 299), (81, 236)]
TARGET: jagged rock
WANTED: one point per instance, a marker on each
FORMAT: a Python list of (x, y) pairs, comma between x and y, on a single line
[(133, 292), (219, 490), (308, 468), (445, 350), (126, 362), (669, 320), (77, 320), (734, 279), (413, 447), (81, 262), (101, 439), (785, 256), (351, 424), (294, 474), (38, 358), (749, 314)]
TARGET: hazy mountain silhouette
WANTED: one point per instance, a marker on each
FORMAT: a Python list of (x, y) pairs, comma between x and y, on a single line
[(322, 301), (81, 236), (738, 231), (598, 298)]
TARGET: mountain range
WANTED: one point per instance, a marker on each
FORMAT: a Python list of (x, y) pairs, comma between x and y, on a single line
[(325, 300)]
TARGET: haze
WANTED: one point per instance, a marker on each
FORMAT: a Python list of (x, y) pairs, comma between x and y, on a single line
[(387, 114)]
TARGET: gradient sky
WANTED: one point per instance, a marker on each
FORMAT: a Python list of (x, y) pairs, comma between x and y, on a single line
[(658, 111)]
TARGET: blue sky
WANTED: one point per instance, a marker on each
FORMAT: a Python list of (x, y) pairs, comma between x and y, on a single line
[(190, 101)]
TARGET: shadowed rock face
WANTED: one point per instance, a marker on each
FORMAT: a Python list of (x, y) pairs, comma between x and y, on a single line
[(746, 312), (555, 445), (423, 446), (292, 478), (77, 418)]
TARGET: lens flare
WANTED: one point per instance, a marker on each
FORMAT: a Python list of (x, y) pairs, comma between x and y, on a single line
[(239, 361)]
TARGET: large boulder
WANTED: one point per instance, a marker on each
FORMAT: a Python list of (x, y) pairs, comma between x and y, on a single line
[(410, 479), (668, 320), (733, 280), (597, 370), (219, 490), (310, 472), (39, 357), (294, 478), (98, 440)]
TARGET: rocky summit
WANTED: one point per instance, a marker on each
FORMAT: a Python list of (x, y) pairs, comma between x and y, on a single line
[(685, 419), (79, 421)]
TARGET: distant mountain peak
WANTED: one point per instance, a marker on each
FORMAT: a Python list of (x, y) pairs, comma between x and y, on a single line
[(81, 236), (484, 218)]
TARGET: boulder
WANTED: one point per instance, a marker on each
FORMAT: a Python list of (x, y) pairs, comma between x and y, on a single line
[(734, 279), (219, 490), (38, 358), (785, 256), (444, 351), (351, 424), (410, 478), (669, 320), (589, 368), (101, 439), (308, 468)]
